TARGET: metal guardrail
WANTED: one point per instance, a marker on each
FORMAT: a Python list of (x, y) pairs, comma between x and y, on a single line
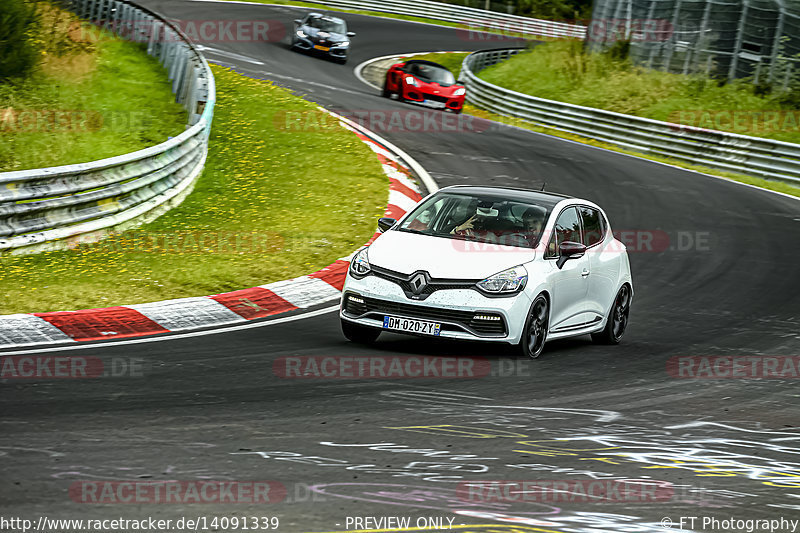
[(53, 208), (754, 156), (475, 20)]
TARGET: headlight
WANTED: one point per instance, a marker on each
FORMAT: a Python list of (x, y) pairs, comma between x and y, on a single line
[(301, 33), (359, 265), (343, 44), (505, 282), (459, 92), (412, 81)]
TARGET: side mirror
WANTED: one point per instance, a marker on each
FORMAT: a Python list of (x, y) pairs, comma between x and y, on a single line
[(569, 250), (298, 21), (351, 34), (385, 223)]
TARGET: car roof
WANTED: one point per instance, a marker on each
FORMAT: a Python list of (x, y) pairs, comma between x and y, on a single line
[(325, 17), (543, 198)]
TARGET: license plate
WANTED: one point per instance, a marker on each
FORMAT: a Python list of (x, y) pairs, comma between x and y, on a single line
[(411, 325), (434, 103), (323, 48)]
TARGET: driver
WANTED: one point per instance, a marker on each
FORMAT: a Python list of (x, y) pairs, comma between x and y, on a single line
[(533, 220), (477, 224)]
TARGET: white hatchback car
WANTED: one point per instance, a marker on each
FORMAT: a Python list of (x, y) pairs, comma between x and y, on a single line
[(493, 264)]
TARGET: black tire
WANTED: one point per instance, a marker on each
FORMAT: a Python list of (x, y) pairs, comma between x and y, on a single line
[(359, 334), (458, 111), (534, 335), (617, 320), (386, 93)]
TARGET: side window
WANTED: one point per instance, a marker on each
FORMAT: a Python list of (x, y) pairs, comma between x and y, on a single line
[(568, 228), (593, 226)]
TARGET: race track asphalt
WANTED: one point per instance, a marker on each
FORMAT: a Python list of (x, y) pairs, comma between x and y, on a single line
[(724, 283)]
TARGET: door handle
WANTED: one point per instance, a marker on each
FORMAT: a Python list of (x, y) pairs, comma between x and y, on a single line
[(585, 273)]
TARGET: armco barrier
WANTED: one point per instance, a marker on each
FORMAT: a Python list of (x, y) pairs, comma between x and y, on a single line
[(729, 152), (51, 208), (473, 19)]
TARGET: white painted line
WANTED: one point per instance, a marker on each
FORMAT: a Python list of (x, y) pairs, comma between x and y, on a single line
[(229, 55), (192, 334)]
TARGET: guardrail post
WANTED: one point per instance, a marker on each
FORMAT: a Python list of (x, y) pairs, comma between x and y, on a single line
[(776, 44), (739, 37)]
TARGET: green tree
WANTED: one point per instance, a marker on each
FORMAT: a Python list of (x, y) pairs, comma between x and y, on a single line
[(554, 9), (19, 51)]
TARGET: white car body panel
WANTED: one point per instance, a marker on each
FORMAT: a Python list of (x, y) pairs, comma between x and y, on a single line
[(442, 257)]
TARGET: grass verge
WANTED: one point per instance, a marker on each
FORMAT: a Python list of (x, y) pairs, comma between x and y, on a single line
[(564, 71), (94, 97), (453, 62), (272, 203)]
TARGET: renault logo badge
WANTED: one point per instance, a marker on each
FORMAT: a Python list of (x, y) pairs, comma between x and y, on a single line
[(418, 282)]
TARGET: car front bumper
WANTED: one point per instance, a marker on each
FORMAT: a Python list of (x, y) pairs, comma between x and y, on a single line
[(414, 94), (454, 309), (307, 45)]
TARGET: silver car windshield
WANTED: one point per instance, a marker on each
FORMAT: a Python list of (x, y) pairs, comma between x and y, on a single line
[(501, 221), (329, 25)]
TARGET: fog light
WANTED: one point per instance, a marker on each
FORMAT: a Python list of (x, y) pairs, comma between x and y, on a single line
[(355, 299), (486, 317)]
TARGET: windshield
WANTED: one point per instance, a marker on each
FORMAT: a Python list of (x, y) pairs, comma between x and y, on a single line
[(330, 25), (431, 73), (490, 220)]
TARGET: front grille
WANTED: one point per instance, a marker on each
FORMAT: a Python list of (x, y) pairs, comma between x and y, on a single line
[(436, 97), (434, 284), (377, 308)]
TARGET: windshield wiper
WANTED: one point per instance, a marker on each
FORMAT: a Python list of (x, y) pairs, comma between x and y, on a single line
[(418, 232)]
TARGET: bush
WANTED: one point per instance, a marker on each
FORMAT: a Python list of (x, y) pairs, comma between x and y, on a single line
[(18, 48)]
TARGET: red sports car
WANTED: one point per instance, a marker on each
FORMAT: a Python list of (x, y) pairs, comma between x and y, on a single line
[(424, 82)]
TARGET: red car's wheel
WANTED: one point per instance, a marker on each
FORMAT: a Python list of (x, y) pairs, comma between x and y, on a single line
[(386, 93)]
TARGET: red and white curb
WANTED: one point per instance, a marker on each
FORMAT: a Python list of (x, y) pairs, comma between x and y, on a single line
[(185, 314)]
